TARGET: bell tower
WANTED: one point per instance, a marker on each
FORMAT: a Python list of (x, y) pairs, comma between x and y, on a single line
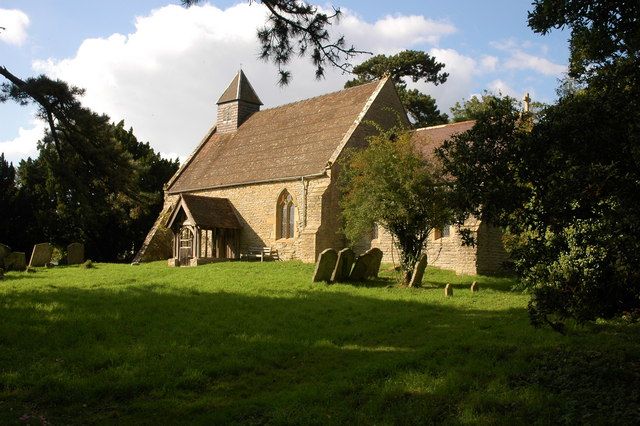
[(236, 104)]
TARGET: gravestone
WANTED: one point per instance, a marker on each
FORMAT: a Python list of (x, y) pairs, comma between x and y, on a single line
[(418, 271), (16, 261), (75, 254), (376, 259), (341, 272), (474, 287), (325, 266), (448, 290), (360, 267), (4, 252), (41, 255)]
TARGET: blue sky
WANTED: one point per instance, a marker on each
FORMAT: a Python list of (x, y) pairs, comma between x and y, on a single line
[(161, 68)]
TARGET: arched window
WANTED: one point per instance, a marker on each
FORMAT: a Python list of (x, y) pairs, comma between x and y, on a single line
[(286, 216)]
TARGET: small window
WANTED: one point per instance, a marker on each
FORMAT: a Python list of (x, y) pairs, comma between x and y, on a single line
[(438, 233), (374, 232), (286, 216)]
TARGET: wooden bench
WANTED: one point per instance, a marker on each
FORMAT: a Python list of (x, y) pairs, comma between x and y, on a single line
[(261, 253)]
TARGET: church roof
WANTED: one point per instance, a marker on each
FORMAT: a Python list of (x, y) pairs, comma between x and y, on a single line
[(240, 89), (427, 139), (206, 212), (288, 141)]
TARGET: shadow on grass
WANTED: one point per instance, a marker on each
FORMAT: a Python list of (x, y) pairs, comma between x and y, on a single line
[(149, 354)]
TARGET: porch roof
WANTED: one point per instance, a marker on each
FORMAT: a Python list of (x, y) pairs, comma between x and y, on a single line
[(206, 212)]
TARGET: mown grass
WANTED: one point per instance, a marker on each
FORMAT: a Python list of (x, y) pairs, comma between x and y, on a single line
[(258, 343)]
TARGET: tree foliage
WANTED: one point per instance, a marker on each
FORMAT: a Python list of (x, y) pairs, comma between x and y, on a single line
[(297, 28), (388, 183), (408, 64), (566, 186)]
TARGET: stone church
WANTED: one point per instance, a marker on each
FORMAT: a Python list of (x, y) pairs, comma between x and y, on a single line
[(268, 179)]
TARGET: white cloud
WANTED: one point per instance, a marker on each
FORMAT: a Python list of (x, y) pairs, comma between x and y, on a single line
[(15, 23), (522, 60), (165, 78), (519, 59), (502, 88), (462, 70), (489, 63), (25, 144)]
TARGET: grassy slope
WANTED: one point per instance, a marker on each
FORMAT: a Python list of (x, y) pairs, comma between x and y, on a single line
[(256, 343)]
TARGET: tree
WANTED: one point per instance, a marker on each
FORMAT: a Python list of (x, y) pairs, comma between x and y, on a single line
[(408, 64), (73, 129), (471, 109), (389, 184), (566, 186), (296, 28)]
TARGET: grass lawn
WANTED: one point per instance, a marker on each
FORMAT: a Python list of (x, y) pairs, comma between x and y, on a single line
[(258, 343)]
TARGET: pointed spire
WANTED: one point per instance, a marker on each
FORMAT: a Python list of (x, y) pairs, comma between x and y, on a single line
[(240, 90)]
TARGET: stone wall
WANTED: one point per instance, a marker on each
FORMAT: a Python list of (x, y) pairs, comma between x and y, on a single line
[(449, 252), (491, 254), (256, 206), (237, 112)]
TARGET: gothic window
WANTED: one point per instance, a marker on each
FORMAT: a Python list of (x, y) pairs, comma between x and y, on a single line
[(374, 232), (438, 233), (286, 216)]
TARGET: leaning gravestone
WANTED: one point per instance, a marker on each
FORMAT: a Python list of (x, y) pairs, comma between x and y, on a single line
[(341, 272), (418, 271), (474, 287), (361, 267), (374, 265), (16, 261), (75, 254), (326, 264), (4, 252), (41, 255)]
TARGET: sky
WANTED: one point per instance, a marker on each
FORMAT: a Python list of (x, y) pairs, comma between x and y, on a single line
[(161, 67)]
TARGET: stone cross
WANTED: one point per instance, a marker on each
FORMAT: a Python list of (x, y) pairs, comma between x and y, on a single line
[(448, 290), (418, 271), (341, 272), (41, 255), (325, 266)]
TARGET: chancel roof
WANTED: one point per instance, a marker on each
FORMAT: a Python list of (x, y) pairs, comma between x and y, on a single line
[(288, 141), (427, 139)]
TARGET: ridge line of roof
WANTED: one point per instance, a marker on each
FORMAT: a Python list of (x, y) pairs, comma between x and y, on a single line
[(439, 126), (320, 96)]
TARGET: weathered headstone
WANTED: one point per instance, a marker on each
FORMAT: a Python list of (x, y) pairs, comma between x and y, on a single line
[(374, 265), (75, 253), (41, 255), (16, 261), (341, 272), (418, 271), (448, 290), (360, 268), (325, 265), (474, 287), (4, 252)]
